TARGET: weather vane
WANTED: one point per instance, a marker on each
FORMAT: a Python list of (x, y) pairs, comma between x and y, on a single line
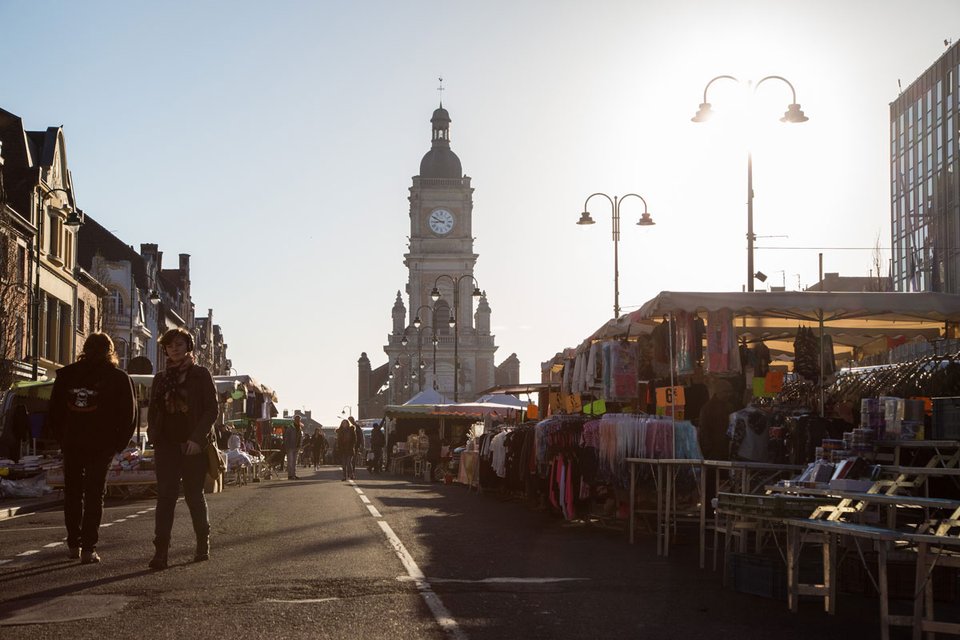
[(440, 90)]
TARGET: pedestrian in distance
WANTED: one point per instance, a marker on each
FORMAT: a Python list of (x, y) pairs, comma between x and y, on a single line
[(292, 441), (319, 448), (377, 442), (180, 419), (359, 446), (346, 444), (93, 412)]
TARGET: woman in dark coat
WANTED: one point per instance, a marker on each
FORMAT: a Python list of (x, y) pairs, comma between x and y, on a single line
[(183, 410)]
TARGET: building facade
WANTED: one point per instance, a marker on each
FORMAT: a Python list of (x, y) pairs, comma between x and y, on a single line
[(924, 186), (440, 334), (39, 188)]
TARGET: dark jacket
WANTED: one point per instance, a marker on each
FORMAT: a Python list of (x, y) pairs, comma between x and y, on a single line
[(714, 418), (346, 440), (93, 407), (202, 409)]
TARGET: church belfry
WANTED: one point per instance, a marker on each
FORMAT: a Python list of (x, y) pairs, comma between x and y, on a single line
[(441, 255)]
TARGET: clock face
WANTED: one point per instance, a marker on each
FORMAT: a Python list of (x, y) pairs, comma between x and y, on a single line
[(441, 221)]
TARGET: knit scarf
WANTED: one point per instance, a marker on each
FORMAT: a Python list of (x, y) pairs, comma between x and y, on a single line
[(170, 383)]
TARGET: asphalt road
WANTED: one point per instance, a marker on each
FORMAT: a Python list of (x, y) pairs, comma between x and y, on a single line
[(382, 558)]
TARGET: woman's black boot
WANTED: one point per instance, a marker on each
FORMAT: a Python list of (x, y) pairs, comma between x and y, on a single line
[(159, 560), (203, 548)]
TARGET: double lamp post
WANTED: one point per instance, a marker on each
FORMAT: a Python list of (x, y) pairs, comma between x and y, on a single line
[(455, 321), (794, 114)]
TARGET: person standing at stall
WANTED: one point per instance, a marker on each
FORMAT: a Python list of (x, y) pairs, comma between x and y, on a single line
[(377, 442), (292, 441), (93, 411), (319, 448), (346, 443), (182, 412)]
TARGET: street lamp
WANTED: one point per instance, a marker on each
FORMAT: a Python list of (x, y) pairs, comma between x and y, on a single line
[(343, 413), (455, 322), (74, 220), (645, 221), (793, 115), (417, 373)]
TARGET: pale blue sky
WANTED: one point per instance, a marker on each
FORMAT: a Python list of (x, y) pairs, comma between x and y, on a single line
[(275, 142)]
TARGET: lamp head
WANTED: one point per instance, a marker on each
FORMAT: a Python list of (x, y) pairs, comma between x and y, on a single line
[(404, 341), (396, 363), (761, 276), (154, 297), (703, 114), (435, 294), (452, 321), (476, 292), (646, 220), (416, 322), (75, 219), (585, 218), (794, 114)]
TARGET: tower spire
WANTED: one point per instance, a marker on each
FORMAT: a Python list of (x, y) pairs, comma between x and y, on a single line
[(440, 91)]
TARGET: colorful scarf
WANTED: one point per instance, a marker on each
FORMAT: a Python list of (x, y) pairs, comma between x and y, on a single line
[(169, 385)]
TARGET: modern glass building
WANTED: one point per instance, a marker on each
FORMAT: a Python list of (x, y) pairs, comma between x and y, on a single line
[(925, 202)]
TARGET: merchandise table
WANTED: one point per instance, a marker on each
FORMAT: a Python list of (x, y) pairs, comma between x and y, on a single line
[(753, 475), (664, 478)]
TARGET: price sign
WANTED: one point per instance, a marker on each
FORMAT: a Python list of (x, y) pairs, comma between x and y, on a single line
[(667, 396)]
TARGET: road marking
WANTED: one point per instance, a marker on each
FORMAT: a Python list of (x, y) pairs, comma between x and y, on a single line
[(52, 544), (440, 612), (358, 490), (106, 524), (305, 601), (5, 561), (28, 553), (364, 499), (373, 511)]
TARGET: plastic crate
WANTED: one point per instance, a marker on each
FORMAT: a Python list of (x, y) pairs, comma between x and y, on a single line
[(946, 419), (757, 575)]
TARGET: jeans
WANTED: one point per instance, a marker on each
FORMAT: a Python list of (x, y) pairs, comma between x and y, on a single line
[(347, 461), (84, 484), (172, 467), (292, 462)]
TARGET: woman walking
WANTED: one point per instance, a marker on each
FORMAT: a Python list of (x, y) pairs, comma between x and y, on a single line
[(183, 410)]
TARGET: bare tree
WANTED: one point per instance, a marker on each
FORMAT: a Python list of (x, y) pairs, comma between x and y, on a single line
[(880, 284), (14, 293)]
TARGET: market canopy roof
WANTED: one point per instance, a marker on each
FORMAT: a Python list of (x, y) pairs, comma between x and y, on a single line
[(427, 396), (810, 305)]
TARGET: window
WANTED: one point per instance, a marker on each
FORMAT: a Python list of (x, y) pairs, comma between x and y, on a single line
[(93, 319), (81, 316), (115, 302)]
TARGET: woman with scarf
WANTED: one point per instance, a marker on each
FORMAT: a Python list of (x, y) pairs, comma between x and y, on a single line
[(183, 410)]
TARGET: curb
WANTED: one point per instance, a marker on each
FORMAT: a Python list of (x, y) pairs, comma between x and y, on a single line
[(28, 507)]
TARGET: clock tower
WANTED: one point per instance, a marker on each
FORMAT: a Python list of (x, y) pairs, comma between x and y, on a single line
[(441, 260)]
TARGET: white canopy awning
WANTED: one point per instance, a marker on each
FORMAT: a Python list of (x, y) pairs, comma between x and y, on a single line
[(810, 305)]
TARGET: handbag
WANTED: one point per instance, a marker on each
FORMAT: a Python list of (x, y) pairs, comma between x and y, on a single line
[(215, 465)]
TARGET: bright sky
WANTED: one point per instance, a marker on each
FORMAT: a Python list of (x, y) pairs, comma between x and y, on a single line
[(275, 143)]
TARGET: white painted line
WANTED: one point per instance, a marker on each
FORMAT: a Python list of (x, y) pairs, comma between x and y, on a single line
[(373, 511), (28, 553), (358, 490), (364, 499), (133, 515), (52, 544), (108, 524), (440, 612), (5, 561), (120, 520), (144, 511), (305, 601)]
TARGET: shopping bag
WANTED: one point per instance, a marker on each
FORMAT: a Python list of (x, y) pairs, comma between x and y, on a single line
[(215, 464)]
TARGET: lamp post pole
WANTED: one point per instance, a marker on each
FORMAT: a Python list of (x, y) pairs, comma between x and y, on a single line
[(645, 221), (455, 321), (794, 114), (74, 220)]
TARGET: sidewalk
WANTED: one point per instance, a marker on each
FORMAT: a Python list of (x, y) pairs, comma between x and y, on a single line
[(10, 507)]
